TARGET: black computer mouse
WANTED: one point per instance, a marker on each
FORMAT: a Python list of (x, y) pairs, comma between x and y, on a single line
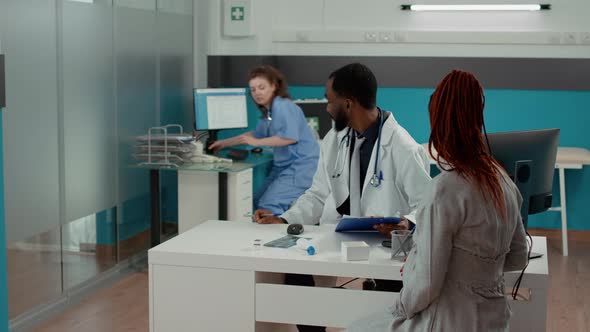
[(256, 150), (295, 229)]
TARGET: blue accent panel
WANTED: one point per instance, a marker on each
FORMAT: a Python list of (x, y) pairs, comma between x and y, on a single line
[(136, 217), (172, 109), (3, 274), (106, 233), (508, 110), (201, 118)]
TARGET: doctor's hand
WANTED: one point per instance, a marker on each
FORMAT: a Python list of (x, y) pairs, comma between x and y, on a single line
[(386, 229), (266, 217)]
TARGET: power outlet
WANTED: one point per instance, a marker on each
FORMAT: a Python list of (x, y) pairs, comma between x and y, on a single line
[(301, 36), (554, 38), (400, 37), (585, 38), (569, 38), (371, 37), (385, 37)]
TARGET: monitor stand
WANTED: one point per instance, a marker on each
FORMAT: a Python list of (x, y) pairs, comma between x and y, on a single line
[(210, 139), (522, 175)]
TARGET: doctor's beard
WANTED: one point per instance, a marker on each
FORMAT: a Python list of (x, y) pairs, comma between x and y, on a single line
[(340, 120)]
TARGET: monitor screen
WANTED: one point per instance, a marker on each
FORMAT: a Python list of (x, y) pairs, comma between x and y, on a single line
[(220, 109), (537, 146)]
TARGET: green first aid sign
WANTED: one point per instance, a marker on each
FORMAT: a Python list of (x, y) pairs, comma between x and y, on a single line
[(237, 13)]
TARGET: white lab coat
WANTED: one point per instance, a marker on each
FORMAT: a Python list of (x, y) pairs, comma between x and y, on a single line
[(406, 179)]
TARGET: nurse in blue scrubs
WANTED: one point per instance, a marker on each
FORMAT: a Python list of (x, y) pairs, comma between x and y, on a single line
[(284, 128)]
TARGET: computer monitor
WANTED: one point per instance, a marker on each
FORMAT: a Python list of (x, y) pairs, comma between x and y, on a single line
[(529, 159), (220, 109), (316, 115)]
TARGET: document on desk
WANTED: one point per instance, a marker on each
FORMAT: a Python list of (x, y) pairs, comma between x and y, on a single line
[(362, 224)]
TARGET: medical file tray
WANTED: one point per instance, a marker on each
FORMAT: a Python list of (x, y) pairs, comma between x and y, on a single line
[(169, 148), (353, 224), (159, 157), (181, 138)]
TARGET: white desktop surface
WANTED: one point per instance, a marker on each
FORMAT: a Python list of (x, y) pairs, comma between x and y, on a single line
[(215, 265), (219, 244)]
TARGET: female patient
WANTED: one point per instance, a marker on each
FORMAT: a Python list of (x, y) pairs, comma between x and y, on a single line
[(469, 230)]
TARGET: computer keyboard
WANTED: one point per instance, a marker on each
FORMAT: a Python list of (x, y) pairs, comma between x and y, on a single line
[(237, 154)]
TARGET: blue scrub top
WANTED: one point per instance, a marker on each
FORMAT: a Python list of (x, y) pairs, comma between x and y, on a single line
[(289, 122)]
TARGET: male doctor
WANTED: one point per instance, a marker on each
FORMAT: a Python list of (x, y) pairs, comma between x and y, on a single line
[(369, 166), (350, 179)]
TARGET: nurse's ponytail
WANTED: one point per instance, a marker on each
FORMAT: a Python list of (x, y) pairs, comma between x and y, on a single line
[(456, 122)]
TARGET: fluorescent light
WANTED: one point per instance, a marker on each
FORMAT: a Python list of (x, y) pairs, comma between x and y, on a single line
[(526, 7)]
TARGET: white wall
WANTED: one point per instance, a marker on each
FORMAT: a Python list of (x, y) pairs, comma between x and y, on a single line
[(340, 27), (201, 23)]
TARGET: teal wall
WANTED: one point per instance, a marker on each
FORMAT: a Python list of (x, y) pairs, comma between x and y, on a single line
[(508, 110), (505, 110), (106, 229), (3, 281)]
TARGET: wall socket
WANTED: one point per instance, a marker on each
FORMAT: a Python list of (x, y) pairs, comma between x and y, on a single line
[(385, 37), (585, 38), (400, 37), (569, 38), (371, 36), (301, 36)]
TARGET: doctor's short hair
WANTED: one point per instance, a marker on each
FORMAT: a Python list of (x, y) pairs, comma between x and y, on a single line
[(272, 75), (356, 81)]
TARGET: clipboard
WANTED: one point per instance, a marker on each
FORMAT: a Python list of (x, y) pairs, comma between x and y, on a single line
[(363, 224)]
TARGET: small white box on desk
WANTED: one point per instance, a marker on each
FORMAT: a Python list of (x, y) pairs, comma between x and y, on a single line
[(355, 250)]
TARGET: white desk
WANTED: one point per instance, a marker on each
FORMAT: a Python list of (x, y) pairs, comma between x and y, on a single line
[(217, 191), (206, 191), (210, 278), (567, 158)]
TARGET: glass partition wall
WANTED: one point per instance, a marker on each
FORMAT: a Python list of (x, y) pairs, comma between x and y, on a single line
[(83, 78)]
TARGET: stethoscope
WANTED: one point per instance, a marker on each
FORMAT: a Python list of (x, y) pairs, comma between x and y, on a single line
[(266, 115), (341, 160)]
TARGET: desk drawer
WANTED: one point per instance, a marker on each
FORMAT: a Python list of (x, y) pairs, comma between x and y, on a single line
[(307, 305), (239, 200)]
